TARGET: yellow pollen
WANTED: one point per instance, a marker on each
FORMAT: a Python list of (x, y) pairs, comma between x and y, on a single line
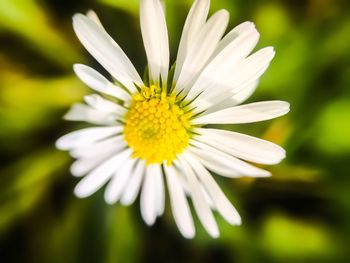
[(156, 128)]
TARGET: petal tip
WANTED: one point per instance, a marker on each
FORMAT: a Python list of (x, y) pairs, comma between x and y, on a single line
[(235, 220), (76, 17), (60, 144), (189, 234), (78, 67), (109, 199), (79, 192), (215, 233)]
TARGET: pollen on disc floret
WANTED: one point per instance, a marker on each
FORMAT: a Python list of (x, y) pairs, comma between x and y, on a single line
[(156, 127)]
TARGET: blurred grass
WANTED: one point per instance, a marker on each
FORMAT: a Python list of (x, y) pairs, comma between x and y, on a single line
[(28, 184), (301, 214), (27, 20)]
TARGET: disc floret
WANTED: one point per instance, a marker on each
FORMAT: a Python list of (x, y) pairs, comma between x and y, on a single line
[(156, 126)]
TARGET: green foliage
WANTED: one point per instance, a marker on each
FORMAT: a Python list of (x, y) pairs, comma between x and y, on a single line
[(288, 238), (333, 128), (28, 21)]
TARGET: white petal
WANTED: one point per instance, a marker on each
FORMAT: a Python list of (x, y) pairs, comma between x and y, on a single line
[(233, 79), (94, 155), (94, 17), (207, 197), (160, 199), (155, 39), (232, 35), (214, 165), (184, 183), (238, 98), (103, 105), (224, 164), (86, 136), (179, 205), (148, 197), (200, 205), (133, 187), (106, 51), (230, 55), (82, 112), (98, 148), (100, 175), (253, 112), (119, 181), (201, 50), (251, 68), (242, 146), (99, 83), (194, 23), (222, 204), (82, 166), (245, 93)]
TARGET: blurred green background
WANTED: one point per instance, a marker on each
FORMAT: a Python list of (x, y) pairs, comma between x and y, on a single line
[(301, 214)]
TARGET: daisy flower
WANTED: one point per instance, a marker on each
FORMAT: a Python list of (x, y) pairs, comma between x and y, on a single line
[(150, 133)]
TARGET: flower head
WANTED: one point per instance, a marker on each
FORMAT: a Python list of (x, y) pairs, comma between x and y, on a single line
[(155, 129)]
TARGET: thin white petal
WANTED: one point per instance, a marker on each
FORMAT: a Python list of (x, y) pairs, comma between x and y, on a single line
[(160, 200), (100, 175), (133, 187), (119, 181), (201, 50), (233, 79), (179, 205), (222, 204), (245, 93), (236, 99), (82, 166), (94, 155), (103, 105), (99, 83), (242, 146), (248, 113), (155, 39), (94, 17), (201, 206), (148, 197), (207, 197), (230, 55), (86, 136), (232, 35), (97, 148), (82, 112), (251, 68), (106, 51), (194, 23), (184, 183), (224, 164)]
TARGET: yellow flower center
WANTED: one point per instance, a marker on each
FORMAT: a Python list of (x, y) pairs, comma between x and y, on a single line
[(156, 127)]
